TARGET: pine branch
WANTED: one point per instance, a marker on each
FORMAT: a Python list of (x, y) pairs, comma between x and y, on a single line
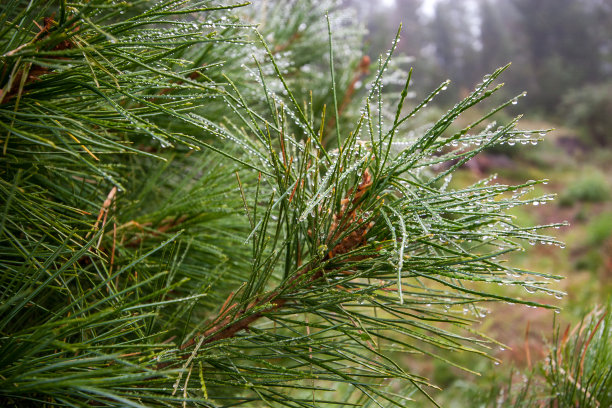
[(227, 324), (162, 159)]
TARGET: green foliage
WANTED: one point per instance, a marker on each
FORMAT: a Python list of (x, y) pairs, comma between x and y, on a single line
[(579, 369), (589, 188), (183, 223), (590, 107), (600, 229), (576, 373)]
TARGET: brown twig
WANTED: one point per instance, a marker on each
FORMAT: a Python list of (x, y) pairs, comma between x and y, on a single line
[(104, 210), (282, 47), (165, 226), (341, 221), (586, 345), (562, 344), (526, 346)]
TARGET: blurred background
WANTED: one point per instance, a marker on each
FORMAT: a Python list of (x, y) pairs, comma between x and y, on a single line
[(561, 54)]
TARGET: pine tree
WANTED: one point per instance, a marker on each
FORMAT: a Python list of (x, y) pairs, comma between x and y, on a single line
[(200, 211)]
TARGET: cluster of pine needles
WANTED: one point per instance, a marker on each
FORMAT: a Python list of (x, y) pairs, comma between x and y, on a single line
[(193, 214)]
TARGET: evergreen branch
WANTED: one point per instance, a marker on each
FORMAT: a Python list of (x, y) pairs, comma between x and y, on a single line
[(227, 325), (141, 158)]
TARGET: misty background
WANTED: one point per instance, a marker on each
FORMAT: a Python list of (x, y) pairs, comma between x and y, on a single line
[(558, 48)]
